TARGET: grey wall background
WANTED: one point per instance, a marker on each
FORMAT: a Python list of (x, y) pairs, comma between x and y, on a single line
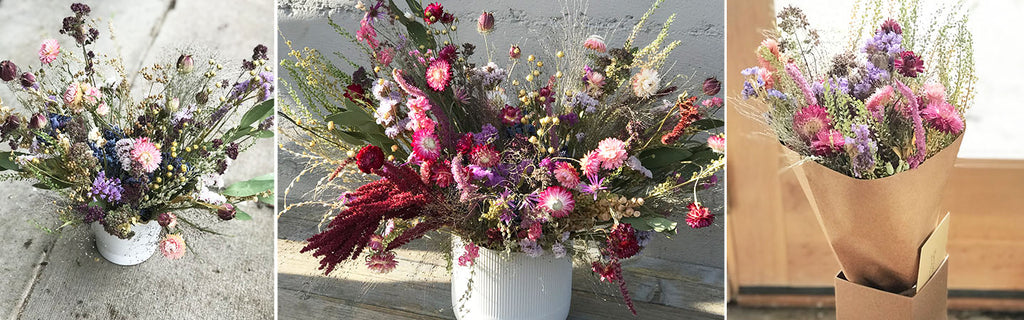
[(698, 24), (994, 122)]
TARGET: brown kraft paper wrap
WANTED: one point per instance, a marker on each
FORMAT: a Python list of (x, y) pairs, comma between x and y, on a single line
[(855, 302), (877, 226)]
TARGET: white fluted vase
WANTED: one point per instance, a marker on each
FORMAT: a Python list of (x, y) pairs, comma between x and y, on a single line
[(510, 286), (131, 251)]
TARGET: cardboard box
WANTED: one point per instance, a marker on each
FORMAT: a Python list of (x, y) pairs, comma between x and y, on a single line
[(855, 302)]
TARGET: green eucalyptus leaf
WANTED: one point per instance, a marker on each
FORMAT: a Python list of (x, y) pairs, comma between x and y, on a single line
[(7, 161), (241, 215), (250, 187), (660, 157), (707, 124), (651, 223), (257, 113)]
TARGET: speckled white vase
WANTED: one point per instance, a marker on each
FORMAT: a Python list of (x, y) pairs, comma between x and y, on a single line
[(131, 251), (512, 286)]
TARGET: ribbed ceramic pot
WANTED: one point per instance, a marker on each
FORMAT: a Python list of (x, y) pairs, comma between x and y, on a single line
[(131, 251), (510, 286)]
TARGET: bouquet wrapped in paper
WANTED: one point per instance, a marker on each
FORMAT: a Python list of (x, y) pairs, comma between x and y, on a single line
[(878, 125)]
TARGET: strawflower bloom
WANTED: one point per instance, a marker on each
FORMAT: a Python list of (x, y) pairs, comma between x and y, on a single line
[(485, 24), (382, 262), (173, 246), (717, 143), (809, 121), (591, 163), (376, 242), (943, 117), (596, 43), (438, 74), (146, 155), (877, 101), (645, 83), (167, 220), (485, 156), (935, 92), (370, 158), (699, 217), (49, 51), (557, 201), (425, 145), (566, 175), (827, 142), (433, 13), (611, 152)]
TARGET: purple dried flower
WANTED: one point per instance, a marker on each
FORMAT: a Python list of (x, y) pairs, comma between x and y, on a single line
[(8, 70), (107, 189), (861, 149)]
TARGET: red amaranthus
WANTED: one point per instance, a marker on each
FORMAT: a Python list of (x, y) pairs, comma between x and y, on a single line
[(688, 113), (399, 195)]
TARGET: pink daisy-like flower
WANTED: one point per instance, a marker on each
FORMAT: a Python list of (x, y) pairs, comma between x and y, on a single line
[(591, 163), (717, 143), (645, 83), (102, 109), (827, 142), (596, 43), (146, 155), (595, 80), (469, 257), (484, 156), (611, 152), (382, 262), (557, 201), (810, 120), (699, 216), (943, 117), (425, 145), (566, 175), (877, 101), (935, 92), (419, 104), (49, 51), (438, 74), (511, 115), (173, 246)]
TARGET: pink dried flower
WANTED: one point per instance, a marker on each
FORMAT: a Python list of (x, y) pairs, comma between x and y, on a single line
[(919, 134), (146, 155), (935, 92), (425, 145), (469, 257), (367, 33), (172, 246), (535, 231), (596, 43), (809, 121), (514, 52), (798, 77), (717, 143), (438, 74), (385, 56), (590, 164), (699, 217), (485, 24), (557, 201), (611, 152), (376, 242), (943, 117), (49, 51), (827, 142), (381, 262), (399, 77), (877, 101), (909, 64), (510, 115), (645, 83), (566, 175), (73, 96)]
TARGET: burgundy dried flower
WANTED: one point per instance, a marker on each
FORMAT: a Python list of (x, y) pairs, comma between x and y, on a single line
[(465, 143), (232, 151), (909, 64), (622, 241), (354, 92), (370, 158), (699, 216), (8, 70), (447, 18), (227, 212), (167, 220), (28, 80), (891, 25), (514, 52), (449, 53), (485, 24), (38, 121), (712, 86), (186, 63), (259, 52)]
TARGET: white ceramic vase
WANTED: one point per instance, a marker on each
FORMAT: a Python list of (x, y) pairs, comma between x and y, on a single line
[(131, 251), (510, 286)]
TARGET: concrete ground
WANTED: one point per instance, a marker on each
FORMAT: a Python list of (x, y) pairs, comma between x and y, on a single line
[(62, 276)]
